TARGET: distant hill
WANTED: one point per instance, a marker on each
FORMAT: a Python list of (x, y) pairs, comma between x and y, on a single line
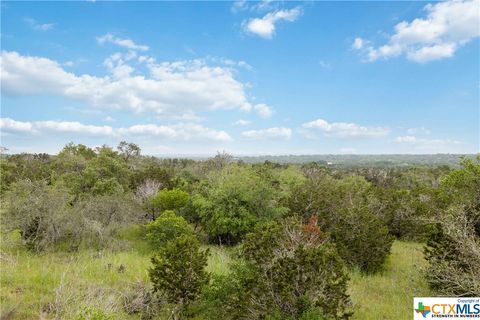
[(380, 160)]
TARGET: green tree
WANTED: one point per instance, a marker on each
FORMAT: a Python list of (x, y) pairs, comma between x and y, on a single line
[(167, 227), (234, 202), (344, 208), (178, 272), (40, 212), (289, 270), (165, 199), (128, 150), (453, 249)]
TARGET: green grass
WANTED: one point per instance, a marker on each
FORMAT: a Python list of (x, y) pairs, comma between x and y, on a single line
[(70, 282), (389, 294)]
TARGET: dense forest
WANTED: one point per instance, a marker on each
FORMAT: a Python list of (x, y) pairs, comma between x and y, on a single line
[(108, 233)]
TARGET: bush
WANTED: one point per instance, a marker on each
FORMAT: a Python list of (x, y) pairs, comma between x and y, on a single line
[(407, 212), (178, 272), (453, 253), (99, 218), (453, 250), (165, 199), (343, 208), (166, 227), (41, 213), (289, 271), (46, 216), (362, 239)]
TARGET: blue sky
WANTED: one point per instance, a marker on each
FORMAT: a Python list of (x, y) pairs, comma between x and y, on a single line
[(193, 78)]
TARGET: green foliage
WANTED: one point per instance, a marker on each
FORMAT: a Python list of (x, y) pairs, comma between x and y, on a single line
[(344, 210), (174, 199), (39, 211), (289, 271), (362, 239), (453, 250), (103, 174), (46, 217), (93, 314), (128, 150), (168, 226), (33, 167), (236, 200), (406, 212), (178, 271), (149, 169)]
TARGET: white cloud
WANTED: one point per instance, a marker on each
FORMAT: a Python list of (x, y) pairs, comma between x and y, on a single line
[(447, 26), (73, 127), (178, 132), (126, 43), (172, 88), (270, 133), (434, 145), (263, 110), (10, 125), (421, 130), (265, 27), (257, 6), (34, 24), (186, 132), (358, 43), (346, 130), (241, 122)]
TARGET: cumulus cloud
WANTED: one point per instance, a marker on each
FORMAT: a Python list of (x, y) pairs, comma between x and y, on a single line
[(436, 145), (358, 43), (270, 133), (263, 110), (10, 125), (447, 26), (179, 132), (171, 88), (126, 43), (345, 129), (35, 25), (265, 26)]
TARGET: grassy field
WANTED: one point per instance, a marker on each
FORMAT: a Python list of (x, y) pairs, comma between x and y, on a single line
[(37, 286), (389, 294)]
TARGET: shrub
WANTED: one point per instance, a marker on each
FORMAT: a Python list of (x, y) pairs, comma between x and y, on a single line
[(99, 218), (165, 199), (453, 253), (40, 212), (362, 239), (178, 272), (453, 250), (289, 271), (166, 227)]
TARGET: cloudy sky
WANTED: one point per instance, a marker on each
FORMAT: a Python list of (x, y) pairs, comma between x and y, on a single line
[(245, 77)]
